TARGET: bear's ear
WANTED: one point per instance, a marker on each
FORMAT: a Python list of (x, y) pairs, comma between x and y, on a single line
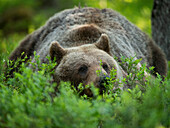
[(103, 43), (57, 51)]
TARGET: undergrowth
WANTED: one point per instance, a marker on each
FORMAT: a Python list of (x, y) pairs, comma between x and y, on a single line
[(29, 99)]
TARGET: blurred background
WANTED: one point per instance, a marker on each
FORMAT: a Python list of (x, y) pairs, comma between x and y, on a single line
[(21, 17), (24, 16)]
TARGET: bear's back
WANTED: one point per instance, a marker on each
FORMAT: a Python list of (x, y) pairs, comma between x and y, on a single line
[(74, 27)]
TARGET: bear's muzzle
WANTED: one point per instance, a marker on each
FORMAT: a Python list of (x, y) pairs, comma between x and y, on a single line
[(103, 82)]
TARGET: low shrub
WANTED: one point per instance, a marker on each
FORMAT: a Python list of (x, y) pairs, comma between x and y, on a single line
[(29, 99)]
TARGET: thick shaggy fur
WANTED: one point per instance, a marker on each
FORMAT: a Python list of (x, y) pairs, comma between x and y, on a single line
[(79, 26)]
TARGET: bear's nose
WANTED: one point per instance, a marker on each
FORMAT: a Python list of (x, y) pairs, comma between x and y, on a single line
[(103, 79)]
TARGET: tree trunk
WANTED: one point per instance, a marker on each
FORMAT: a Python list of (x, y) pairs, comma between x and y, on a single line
[(161, 25)]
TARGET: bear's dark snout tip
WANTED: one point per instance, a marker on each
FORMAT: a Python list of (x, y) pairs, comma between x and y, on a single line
[(103, 82)]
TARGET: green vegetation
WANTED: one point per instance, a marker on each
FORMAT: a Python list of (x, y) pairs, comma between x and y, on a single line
[(29, 99)]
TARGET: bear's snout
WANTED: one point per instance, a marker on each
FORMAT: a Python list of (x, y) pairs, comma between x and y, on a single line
[(103, 81)]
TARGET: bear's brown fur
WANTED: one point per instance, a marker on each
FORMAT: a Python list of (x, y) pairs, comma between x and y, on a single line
[(83, 37), (79, 64)]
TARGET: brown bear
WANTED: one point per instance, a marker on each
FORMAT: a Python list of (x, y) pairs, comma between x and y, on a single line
[(79, 38)]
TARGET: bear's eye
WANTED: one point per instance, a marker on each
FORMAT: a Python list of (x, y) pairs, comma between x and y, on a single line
[(105, 67), (83, 70)]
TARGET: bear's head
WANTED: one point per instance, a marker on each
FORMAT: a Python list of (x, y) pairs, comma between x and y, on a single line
[(79, 64)]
